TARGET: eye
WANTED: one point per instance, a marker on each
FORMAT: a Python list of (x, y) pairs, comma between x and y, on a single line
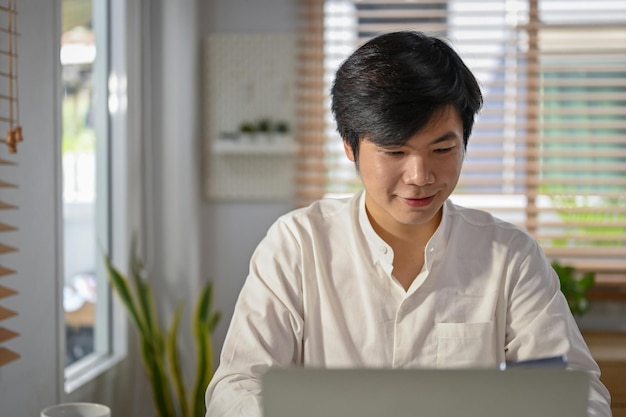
[(444, 150)]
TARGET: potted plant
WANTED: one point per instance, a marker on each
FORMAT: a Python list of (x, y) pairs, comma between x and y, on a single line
[(263, 129), (247, 131), (575, 287), (158, 346), (281, 131), (281, 127)]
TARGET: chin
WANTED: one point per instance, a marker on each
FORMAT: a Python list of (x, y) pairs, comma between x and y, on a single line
[(415, 220), (420, 216)]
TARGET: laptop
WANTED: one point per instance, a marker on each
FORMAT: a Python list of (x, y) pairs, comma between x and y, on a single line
[(311, 392)]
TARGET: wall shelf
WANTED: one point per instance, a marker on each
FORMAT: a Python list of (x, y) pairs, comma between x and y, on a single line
[(249, 78), (277, 147)]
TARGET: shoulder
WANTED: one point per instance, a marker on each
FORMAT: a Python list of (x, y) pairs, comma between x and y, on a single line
[(474, 224), (475, 218), (477, 234), (320, 214), (307, 229)]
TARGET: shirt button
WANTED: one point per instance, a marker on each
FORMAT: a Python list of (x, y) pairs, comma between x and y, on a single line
[(431, 249), (383, 249)]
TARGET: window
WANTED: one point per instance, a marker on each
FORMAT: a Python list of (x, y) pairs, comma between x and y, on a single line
[(548, 151), (86, 117)]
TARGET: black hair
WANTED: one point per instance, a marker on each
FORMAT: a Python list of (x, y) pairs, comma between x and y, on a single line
[(392, 85)]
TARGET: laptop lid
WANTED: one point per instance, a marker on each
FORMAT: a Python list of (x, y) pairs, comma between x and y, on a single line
[(306, 392)]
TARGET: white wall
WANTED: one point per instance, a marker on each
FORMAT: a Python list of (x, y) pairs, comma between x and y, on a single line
[(173, 232), (231, 230)]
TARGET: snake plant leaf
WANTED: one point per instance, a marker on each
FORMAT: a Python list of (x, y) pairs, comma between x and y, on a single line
[(150, 345), (204, 371), (173, 360), (204, 350), (144, 293), (148, 310), (205, 312), (205, 301), (215, 318), (158, 379), (120, 285), (158, 347)]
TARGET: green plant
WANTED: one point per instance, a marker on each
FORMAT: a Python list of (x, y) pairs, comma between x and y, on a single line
[(264, 125), (281, 127), (247, 127), (159, 350), (575, 287)]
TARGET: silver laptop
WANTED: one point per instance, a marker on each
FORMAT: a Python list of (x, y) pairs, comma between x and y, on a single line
[(306, 392)]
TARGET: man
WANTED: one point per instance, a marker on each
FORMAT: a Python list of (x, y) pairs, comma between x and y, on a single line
[(397, 275)]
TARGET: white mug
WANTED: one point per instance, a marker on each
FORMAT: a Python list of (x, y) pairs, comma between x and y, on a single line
[(77, 410)]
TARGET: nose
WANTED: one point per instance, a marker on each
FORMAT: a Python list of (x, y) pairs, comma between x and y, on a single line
[(418, 171)]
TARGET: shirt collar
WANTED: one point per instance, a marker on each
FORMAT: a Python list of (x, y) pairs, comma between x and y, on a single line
[(383, 253), (380, 250), (438, 241)]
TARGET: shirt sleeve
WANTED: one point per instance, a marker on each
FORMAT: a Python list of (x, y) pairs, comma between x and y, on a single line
[(540, 323), (266, 328)]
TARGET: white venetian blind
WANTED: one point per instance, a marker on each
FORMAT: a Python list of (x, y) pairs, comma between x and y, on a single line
[(11, 135), (548, 151)]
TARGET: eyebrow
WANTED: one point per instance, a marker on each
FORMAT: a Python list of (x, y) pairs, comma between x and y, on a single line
[(446, 136)]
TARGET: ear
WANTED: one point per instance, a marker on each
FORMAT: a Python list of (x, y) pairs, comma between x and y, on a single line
[(348, 150)]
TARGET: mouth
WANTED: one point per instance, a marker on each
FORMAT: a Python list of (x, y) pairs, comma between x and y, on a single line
[(418, 202)]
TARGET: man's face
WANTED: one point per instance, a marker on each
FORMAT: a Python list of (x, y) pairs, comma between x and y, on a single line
[(406, 186)]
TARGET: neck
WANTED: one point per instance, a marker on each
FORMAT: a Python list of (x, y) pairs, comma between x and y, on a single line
[(398, 234)]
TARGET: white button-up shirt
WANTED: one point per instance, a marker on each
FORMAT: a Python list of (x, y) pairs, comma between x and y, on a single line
[(321, 293)]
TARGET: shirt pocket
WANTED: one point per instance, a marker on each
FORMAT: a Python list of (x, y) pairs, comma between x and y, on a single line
[(464, 345)]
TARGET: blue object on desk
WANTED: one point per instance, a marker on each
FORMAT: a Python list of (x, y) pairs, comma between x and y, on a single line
[(552, 362)]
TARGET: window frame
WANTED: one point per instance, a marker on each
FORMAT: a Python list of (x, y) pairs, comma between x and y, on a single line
[(124, 25)]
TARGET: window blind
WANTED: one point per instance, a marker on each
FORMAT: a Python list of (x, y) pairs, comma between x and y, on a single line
[(9, 120), (548, 151)]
